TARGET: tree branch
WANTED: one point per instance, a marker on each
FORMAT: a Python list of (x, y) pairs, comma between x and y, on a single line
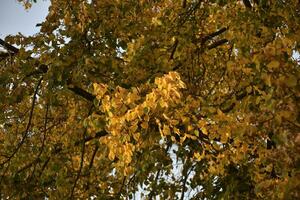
[(80, 168), (43, 69), (28, 124), (81, 92), (185, 181), (81, 159), (174, 49), (8, 46), (152, 193), (183, 3), (217, 43), (93, 156), (212, 35), (247, 3), (89, 138)]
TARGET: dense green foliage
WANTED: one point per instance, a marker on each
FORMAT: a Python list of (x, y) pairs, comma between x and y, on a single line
[(191, 99)]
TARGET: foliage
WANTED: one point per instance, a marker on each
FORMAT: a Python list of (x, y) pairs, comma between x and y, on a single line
[(172, 99)]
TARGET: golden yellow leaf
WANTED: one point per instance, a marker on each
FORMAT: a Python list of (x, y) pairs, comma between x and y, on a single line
[(144, 125), (166, 130), (273, 64)]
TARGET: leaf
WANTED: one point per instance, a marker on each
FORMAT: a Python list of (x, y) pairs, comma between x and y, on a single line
[(274, 64), (291, 81), (166, 130), (144, 125), (111, 155), (99, 90), (173, 110), (196, 132)]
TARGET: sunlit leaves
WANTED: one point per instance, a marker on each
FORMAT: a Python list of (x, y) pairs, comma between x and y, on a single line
[(127, 113), (166, 98)]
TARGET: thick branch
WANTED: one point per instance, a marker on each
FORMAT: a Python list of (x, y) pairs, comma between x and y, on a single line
[(8, 46), (89, 138), (4, 55), (43, 69), (212, 35), (247, 3), (217, 43), (183, 3), (93, 156), (81, 92)]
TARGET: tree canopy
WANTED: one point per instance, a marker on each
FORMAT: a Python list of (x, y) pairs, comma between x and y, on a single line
[(147, 99)]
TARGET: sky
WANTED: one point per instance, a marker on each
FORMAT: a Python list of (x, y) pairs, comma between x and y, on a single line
[(14, 18)]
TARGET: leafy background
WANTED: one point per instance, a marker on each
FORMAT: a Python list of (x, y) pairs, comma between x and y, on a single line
[(167, 99)]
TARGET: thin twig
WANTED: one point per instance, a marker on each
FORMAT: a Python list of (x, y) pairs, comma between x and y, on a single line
[(174, 49), (185, 181), (151, 195), (81, 159), (122, 186), (28, 124), (44, 138), (80, 168)]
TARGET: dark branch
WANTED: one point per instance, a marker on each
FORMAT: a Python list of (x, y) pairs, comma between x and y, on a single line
[(93, 156), (8, 46), (214, 34), (174, 49), (81, 92), (121, 188), (217, 43), (89, 138), (186, 176), (80, 168), (81, 159), (28, 124), (4, 55), (247, 3), (183, 3), (42, 69)]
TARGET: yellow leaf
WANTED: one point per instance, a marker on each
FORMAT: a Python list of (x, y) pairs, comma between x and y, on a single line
[(144, 125), (182, 139), (247, 70), (291, 81), (111, 155), (201, 123), (199, 156), (273, 64), (266, 78), (156, 21), (99, 90), (230, 65), (136, 136), (224, 137), (204, 130), (196, 132), (133, 128), (190, 128), (166, 130), (163, 104), (249, 89)]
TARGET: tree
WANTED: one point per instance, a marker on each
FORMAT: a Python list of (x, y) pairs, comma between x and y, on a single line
[(172, 99)]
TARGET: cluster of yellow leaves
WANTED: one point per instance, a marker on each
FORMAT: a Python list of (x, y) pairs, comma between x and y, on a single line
[(127, 113), (239, 96)]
